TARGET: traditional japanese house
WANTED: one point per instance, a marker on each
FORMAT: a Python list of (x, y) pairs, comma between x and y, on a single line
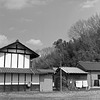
[(93, 69), (16, 73), (70, 78)]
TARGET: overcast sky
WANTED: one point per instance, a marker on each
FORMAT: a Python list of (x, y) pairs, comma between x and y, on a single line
[(38, 23)]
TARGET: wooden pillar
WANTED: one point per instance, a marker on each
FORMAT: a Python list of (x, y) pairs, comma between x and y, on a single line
[(17, 59), (11, 82), (18, 81), (25, 83), (91, 79), (31, 82), (4, 59), (4, 80), (60, 79)]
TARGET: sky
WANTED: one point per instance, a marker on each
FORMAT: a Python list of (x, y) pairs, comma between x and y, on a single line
[(38, 23)]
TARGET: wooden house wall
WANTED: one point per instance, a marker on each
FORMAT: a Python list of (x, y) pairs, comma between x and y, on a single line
[(1, 79), (77, 77), (35, 79), (92, 78), (28, 78), (18, 82), (10, 60), (21, 79)]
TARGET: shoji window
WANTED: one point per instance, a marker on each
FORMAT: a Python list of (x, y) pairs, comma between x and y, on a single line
[(1, 59), (14, 60), (8, 79), (35, 79), (15, 79), (20, 60), (8, 60), (21, 78), (1, 79), (27, 61)]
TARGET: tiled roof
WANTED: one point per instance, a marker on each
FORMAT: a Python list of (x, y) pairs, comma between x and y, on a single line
[(73, 70), (45, 71), (21, 70), (90, 66), (15, 70), (19, 46)]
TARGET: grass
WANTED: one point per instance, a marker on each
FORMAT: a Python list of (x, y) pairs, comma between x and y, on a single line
[(71, 95)]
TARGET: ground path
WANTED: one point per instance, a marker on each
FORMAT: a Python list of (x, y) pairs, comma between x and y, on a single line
[(69, 95)]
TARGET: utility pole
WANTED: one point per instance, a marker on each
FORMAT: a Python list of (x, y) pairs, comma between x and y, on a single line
[(60, 76), (60, 79)]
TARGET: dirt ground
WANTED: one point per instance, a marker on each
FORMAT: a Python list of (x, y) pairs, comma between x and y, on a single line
[(69, 95)]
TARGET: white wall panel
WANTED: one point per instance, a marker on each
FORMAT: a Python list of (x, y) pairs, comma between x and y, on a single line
[(1, 59), (14, 60), (8, 79), (12, 50), (15, 79), (27, 61), (21, 78), (20, 60), (35, 79), (8, 60), (1, 79)]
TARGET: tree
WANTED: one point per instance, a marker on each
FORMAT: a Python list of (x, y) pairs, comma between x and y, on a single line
[(86, 37)]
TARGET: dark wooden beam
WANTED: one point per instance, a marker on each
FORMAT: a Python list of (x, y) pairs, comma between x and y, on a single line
[(11, 61), (11, 80), (25, 82), (4, 80), (4, 59), (17, 59), (18, 81)]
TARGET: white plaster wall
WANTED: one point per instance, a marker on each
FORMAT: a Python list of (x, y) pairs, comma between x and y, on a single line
[(14, 60), (20, 60), (1, 59), (27, 61), (8, 60)]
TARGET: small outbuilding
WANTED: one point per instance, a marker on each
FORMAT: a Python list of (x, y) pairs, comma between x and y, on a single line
[(70, 78), (93, 69)]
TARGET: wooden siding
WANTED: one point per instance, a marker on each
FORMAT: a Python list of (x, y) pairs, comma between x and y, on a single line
[(1, 79), (28, 78), (35, 79), (21, 79), (18, 82), (15, 79), (7, 79)]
